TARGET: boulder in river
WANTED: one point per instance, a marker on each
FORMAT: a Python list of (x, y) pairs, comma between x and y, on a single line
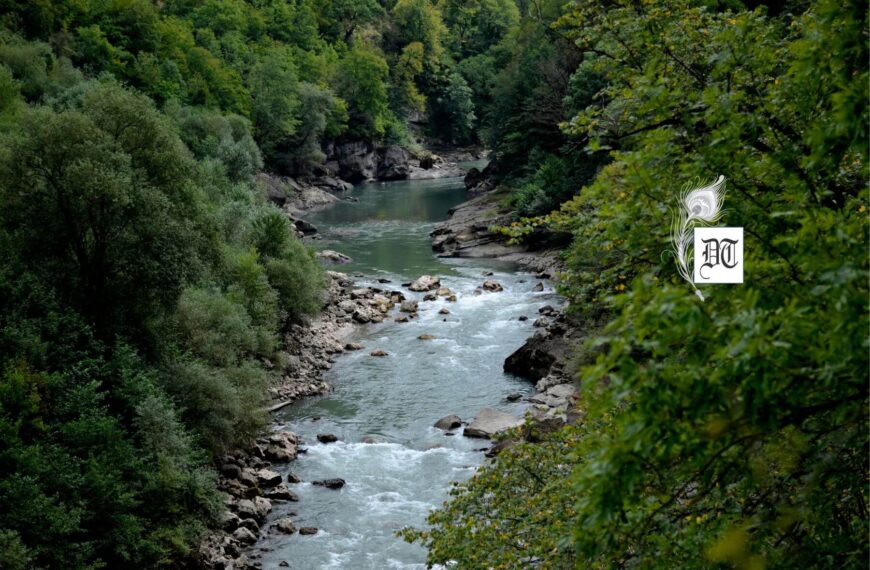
[(326, 438), (334, 483), (408, 307), (308, 530), (425, 283), (492, 286), (285, 525), (379, 352), (281, 493), (426, 337), (353, 346), (489, 422), (330, 256), (534, 359), (538, 287), (449, 422), (444, 311)]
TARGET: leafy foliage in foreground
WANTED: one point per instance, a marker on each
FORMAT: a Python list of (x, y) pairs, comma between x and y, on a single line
[(730, 433)]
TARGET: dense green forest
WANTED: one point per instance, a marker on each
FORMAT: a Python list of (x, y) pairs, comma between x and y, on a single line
[(726, 433), (145, 282)]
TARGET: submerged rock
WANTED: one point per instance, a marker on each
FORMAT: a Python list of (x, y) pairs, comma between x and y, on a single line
[(426, 337), (335, 483)]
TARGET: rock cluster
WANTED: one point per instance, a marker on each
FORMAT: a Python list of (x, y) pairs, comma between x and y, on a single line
[(544, 359), (251, 487)]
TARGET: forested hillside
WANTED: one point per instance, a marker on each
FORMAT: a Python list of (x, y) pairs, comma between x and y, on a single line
[(726, 433), (145, 283)]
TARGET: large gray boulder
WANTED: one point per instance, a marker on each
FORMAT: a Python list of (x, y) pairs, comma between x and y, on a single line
[(393, 163), (356, 161), (490, 422)]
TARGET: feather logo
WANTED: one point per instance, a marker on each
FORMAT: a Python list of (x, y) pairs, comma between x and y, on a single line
[(698, 207)]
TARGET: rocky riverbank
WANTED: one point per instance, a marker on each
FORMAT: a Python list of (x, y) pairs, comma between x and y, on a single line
[(248, 477), (309, 351), (549, 356)]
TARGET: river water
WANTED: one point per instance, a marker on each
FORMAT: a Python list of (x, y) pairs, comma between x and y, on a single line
[(397, 399)]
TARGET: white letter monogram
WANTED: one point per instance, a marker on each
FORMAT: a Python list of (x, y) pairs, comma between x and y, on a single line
[(718, 252)]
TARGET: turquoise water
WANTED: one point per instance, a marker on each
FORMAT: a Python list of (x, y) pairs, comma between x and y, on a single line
[(397, 399)]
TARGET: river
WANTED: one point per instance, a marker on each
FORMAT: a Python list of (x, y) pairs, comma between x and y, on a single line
[(397, 399)]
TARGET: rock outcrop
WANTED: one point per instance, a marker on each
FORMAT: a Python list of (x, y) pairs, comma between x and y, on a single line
[(393, 163), (449, 422), (356, 161), (466, 232), (489, 422)]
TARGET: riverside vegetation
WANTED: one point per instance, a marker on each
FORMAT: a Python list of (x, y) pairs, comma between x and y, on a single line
[(730, 433), (146, 283)]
